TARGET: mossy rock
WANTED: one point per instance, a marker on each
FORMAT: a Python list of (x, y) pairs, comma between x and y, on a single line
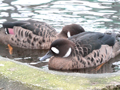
[(32, 78)]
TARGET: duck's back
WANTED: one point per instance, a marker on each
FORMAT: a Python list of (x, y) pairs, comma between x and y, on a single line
[(29, 34), (86, 42), (37, 27)]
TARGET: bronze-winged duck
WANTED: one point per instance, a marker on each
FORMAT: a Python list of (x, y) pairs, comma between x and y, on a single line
[(34, 34), (84, 50)]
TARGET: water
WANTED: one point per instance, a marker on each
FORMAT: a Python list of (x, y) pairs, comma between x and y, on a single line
[(93, 15)]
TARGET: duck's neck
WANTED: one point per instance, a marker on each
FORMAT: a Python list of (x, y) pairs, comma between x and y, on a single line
[(61, 35)]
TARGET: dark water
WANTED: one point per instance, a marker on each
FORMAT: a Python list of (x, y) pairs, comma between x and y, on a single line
[(93, 15)]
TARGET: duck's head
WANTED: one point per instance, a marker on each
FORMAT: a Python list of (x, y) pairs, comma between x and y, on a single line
[(70, 30), (61, 53)]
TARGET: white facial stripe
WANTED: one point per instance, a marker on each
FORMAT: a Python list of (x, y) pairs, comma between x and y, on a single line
[(55, 50), (68, 34), (68, 52)]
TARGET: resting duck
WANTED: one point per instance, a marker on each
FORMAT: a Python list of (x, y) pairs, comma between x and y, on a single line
[(34, 34), (84, 50)]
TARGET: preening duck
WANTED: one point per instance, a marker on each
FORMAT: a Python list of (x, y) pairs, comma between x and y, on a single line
[(34, 34), (84, 50)]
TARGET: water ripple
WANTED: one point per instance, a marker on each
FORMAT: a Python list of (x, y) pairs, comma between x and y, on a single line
[(95, 14)]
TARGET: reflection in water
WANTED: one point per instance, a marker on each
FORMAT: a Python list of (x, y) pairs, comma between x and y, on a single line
[(115, 23), (104, 15), (23, 55), (93, 15), (8, 12)]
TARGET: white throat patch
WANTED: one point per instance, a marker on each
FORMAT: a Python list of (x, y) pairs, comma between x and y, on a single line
[(68, 52), (68, 34), (55, 50)]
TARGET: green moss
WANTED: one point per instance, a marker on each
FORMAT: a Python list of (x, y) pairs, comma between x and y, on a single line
[(38, 79), (31, 76)]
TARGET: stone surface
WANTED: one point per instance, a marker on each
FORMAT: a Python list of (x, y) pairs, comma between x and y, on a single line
[(31, 78)]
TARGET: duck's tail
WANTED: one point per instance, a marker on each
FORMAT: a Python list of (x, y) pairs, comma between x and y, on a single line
[(116, 47), (115, 35)]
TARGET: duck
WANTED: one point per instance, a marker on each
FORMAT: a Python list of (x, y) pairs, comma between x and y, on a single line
[(84, 50), (33, 34)]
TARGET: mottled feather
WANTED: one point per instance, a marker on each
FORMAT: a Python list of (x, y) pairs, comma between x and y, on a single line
[(89, 49), (34, 34)]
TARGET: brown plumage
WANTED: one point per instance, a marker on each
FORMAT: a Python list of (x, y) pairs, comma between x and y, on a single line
[(84, 50), (34, 34)]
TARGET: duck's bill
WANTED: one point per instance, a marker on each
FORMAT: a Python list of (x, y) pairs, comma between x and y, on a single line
[(46, 56)]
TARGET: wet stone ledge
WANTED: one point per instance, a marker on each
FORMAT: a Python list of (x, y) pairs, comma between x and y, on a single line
[(19, 76), (6, 84)]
